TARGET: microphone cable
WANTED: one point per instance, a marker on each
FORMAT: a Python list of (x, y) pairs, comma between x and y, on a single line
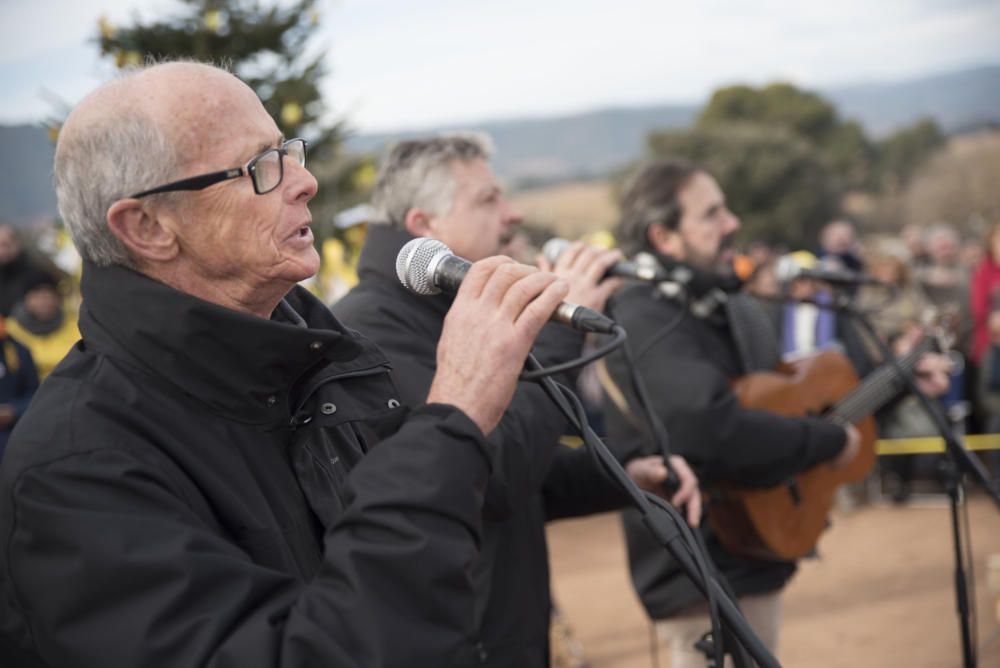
[(660, 438), (645, 502), (544, 372)]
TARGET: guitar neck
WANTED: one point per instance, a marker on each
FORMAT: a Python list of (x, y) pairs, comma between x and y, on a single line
[(878, 388)]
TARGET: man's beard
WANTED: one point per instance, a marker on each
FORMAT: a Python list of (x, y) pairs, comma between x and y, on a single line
[(720, 264)]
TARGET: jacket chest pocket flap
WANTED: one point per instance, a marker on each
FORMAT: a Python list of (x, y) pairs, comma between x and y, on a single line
[(371, 399)]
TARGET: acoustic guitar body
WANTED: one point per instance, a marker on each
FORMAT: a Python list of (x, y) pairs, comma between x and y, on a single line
[(785, 522)]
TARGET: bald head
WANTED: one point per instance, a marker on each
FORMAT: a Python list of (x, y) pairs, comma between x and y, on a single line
[(134, 133), (186, 101)]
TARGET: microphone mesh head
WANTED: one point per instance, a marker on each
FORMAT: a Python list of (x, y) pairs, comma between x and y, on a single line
[(413, 262), (553, 248)]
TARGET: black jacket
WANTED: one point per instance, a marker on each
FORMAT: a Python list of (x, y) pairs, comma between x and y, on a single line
[(533, 477), (188, 489), (687, 371)]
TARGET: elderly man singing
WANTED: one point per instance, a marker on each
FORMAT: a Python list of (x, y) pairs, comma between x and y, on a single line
[(195, 484)]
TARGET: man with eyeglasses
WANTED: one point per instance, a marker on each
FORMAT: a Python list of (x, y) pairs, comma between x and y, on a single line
[(194, 485)]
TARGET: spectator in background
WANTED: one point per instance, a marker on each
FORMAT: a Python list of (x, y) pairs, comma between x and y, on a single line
[(41, 323), (805, 320), (763, 282), (760, 253), (984, 298), (913, 239), (18, 382), (988, 386), (896, 313), (984, 294), (838, 243), (16, 268), (946, 282), (944, 279), (896, 310), (972, 254)]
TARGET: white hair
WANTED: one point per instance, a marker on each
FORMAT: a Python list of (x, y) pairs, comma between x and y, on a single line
[(417, 174), (121, 153)]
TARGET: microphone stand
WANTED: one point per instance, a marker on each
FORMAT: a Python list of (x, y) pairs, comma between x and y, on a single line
[(661, 527), (961, 463)]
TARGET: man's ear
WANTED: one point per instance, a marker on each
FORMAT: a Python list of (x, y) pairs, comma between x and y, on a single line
[(418, 223), (146, 237), (665, 241)]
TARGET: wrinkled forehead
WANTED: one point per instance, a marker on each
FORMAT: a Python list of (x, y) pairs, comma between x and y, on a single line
[(202, 111), (218, 120)]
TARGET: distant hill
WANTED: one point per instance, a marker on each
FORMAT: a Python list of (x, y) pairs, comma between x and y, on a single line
[(958, 101), (532, 151), (544, 150), (538, 151), (26, 194)]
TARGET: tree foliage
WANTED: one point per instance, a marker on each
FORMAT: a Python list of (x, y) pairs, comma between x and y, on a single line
[(786, 159), (903, 153), (958, 185), (841, 144), (265, 47), (270, 48), (774, 180)]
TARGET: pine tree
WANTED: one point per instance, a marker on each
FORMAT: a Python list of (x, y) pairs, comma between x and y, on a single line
[(271, 49)]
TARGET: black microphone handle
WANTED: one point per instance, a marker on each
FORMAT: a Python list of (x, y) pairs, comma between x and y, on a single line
[(448, 272)]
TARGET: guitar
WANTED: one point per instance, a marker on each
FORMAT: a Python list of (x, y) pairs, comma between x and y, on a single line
[(785, 522)]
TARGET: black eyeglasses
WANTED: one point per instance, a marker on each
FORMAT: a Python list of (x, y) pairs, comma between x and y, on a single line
[(265, 170)]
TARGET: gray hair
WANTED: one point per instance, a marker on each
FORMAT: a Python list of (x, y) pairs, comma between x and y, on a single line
[(121, 153), (944, 231), (417, 174)]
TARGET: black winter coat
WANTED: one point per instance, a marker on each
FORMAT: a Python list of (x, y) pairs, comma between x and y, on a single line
[(188, 489), (533, 477), (687, 373)]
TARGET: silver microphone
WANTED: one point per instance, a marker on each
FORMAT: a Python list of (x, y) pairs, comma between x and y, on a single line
[(787, 269), (427, 267)]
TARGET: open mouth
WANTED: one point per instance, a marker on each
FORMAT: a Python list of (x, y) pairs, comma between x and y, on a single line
[(304, 231)]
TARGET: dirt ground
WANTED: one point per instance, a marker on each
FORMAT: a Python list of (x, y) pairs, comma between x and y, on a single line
[(881, 594)]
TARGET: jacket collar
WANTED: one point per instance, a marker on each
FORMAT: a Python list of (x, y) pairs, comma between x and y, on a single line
[(378, 261), (243, 367)]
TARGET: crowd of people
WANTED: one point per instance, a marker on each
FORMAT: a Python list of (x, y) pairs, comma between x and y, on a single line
[(924, 280), (226, 470), (37, 325)]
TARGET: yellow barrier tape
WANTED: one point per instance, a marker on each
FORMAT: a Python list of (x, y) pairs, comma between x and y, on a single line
[(932, 444), (893, 446)]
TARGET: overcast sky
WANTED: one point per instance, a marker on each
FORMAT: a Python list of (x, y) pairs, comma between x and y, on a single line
[(415, 63)]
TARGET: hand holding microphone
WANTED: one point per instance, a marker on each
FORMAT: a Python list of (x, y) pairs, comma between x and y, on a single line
[(586, 268), (498, 311), (555, 248), (500, 306)]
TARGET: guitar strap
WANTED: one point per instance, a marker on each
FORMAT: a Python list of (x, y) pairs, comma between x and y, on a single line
[(753, 333)]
